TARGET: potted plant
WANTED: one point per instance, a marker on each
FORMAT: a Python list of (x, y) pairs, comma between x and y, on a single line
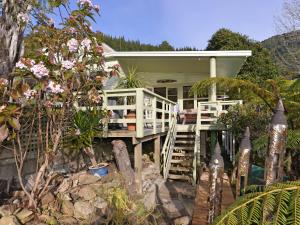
[(85, 127), (131, 80)]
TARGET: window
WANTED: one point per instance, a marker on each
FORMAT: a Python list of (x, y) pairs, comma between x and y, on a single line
[(186, 90), (161, 91), (172, 94)]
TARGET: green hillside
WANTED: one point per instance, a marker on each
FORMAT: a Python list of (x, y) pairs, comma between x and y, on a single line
[(285, 49)]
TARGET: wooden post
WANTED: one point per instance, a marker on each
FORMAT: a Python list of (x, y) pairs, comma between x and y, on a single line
[(138, 166), (157, 151), (213, 73), (213, 141), (163, 116), (154, 114), (139, 113)]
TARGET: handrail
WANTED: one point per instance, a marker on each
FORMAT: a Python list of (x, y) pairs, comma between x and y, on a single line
[(168, 147)]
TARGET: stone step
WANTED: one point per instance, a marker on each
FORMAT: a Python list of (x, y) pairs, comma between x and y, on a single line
[(179, 177), (175, 161), (184, 142), (185, 148), (190, 136), (185, 154)]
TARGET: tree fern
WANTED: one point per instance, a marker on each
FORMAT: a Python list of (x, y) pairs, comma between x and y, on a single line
[(277, 204)]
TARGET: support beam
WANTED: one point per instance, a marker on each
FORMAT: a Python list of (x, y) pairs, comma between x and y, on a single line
[(157, 152), (213, 73), (138, 166)]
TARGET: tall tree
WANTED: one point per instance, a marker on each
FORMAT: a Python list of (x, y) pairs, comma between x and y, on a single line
[(259, 67), (165, 46)]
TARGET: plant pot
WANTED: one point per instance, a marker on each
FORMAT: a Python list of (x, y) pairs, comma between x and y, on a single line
[(100, 170), (131, 126)]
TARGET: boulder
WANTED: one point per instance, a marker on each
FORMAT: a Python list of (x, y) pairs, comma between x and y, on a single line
[(83, 210), (86, 178), (67, 208), (5, 210), (185, 220), (47, 198), (101, 204), (9, 220), (25, 215), (87, 193), (65, 185), (69, 220)]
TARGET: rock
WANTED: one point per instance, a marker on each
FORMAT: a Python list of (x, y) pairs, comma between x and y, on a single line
[(87, 193), (65, 185), (87, 178), (185, 220), (25, 215), (9, 220), (101, 204), (48, 198), (69, 220), (65, 196), (67, 208), (5, 210), (83, 210)]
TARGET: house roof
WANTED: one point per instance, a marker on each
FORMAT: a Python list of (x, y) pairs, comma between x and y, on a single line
[(182, 66)]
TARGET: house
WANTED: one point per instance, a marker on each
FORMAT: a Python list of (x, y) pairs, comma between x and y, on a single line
[(168, 77)]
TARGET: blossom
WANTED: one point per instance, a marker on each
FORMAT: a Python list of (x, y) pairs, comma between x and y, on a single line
[(51, 21), (72, 30), (97, 8), (21, 65), (39, 70), (54, 88), (86, 43), (3, 82), (72, 45), (77, 132), (94, 96), (66, 64), (85, 2), (2, 108), (23, 18), (29, 93)]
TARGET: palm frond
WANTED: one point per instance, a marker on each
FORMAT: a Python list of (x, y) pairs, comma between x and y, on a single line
[(277, 204)]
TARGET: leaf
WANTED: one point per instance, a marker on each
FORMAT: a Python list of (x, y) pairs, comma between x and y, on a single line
[(3, 133), (14, 122)]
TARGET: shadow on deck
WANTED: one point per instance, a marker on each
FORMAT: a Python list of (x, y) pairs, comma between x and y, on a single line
[(201, 201)]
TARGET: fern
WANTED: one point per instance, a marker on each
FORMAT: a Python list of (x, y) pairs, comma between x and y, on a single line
[(277, 204)]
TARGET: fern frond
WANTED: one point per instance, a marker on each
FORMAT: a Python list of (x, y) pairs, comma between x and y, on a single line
[(277, 204)]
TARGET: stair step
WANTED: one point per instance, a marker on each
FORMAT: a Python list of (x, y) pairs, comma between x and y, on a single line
[(185, 136), (184, 142), (183, 154), (177, 168), (181, 161), (185, 148), (179, 177)]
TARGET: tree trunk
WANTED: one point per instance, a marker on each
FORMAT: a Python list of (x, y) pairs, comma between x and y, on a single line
[(91, 154), (11, 35), (124, 165)]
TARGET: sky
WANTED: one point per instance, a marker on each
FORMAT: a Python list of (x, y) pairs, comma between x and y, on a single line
[(186, 22)]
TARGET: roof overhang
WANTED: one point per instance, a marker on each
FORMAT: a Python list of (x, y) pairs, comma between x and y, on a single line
[(152, 65)]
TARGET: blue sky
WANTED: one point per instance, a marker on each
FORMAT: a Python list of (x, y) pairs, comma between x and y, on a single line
[(186, 22)]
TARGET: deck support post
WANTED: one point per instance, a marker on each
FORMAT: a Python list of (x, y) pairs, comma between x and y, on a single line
[(157, 152), (138, 166), (213, 73), (213, 141)]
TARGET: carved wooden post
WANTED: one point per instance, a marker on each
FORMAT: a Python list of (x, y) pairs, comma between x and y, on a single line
[(277, 144), (244, 163), (216, 170)]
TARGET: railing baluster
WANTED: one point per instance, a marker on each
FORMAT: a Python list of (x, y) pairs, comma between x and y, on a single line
[(139, 113), (154, 114), (163, 116)]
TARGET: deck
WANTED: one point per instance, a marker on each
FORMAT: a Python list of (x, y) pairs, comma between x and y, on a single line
[(201, 202)]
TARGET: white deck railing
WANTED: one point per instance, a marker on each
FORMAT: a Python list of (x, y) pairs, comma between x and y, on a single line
[(153, 112)]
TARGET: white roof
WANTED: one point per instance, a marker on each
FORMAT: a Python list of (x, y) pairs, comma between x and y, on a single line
[(240, 53)]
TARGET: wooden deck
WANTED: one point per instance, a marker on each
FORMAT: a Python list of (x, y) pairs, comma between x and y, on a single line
[(201, 202)]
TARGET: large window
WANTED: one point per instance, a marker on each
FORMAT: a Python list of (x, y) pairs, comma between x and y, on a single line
[(188, 101), (172, 94)]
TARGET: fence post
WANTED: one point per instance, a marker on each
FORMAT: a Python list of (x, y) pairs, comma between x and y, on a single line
[(154, 99), (163, 116), (139, 113)]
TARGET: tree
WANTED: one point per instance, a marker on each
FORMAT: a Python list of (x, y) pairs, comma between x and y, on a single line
[(259, 67), (165, 46)]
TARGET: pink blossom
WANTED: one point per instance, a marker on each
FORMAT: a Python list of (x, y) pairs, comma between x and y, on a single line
[(29, 93), (21, 65), (23, 18), (66, 64), (72, 45), (85, 2), (39, 70), (2, 108), (86, 43), (54, 88), (3, 82), (51, 21), (72, 30)]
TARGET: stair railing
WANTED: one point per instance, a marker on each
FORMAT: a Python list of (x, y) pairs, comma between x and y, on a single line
[(168, 147)]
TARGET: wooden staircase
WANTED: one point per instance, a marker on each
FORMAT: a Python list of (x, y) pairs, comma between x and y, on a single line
[(181, 167)]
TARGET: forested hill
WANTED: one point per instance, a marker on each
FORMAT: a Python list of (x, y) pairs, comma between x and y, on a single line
[(121, 44), (285, 49)]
